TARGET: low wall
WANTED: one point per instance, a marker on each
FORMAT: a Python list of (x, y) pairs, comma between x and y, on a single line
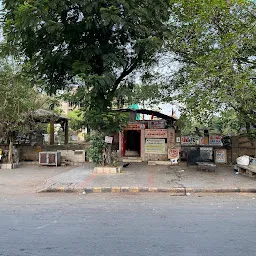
[(156, 157), (72, 152), (77, 156), (241, 145)]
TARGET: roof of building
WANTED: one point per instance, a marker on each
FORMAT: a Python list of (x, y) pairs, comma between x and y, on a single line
[(44, 116), (149, 112)]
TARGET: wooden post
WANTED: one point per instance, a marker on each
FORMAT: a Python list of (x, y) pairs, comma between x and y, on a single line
[(51, 131), (66, 132)]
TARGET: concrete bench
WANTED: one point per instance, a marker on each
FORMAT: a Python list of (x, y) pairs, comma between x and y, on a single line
[(249, 170), (206, 166)]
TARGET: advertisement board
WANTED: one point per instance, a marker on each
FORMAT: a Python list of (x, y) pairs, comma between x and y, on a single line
[(188, 140), (155, 146), (203, 141), (108, 139), (221, 156), (215, 140)]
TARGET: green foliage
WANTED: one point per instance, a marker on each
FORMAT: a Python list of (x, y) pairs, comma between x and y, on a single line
[(148, 95), (226, 124), (97, 44), (18, 100), (106, 123), (76, 119), (214, 42), (252, 134), (95, 152), (102, 42), (188, 125)]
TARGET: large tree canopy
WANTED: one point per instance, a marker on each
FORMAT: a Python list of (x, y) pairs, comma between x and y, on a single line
[(96, 44), (215, 44), (101, 42)]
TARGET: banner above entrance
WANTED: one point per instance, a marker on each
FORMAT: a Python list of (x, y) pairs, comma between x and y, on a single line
[(156, 133), (135, 126), (157, 124)]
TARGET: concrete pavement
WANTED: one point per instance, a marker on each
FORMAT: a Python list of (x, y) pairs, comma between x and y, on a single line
[(139, 177), (27, 178)]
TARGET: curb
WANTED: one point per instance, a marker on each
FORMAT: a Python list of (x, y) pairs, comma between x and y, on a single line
[(181, 191)]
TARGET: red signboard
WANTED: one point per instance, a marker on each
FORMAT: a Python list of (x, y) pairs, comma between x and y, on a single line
[(131, 126), (156, 133), (171, 137)]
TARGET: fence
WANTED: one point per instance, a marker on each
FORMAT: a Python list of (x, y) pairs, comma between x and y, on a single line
[(241, 145)]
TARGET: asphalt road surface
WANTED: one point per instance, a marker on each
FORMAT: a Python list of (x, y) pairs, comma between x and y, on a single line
[(127, 224)]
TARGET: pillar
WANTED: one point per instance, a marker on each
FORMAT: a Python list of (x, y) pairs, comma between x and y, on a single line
[(51, 131), (66, 132)]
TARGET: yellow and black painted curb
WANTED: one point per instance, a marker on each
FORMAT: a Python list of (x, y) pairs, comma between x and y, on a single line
[(175, 191)]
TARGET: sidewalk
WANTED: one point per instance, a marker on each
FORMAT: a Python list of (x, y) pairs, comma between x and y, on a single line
[(139, 177), (27, 178)]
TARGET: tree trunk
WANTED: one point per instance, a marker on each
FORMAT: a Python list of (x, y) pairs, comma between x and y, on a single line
[(107, 157), (10, 158), (108, 154), (248, 127)]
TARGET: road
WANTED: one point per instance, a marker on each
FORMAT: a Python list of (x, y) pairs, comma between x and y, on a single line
[(127, 224)]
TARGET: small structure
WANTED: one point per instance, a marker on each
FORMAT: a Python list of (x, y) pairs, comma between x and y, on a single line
[(153, 141), (47, 116), (50, 158)]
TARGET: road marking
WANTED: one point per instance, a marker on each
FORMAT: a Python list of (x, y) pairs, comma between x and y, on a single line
[(46, 225)]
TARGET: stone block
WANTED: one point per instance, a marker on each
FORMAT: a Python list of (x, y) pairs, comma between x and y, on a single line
[(124, 189), (116, 189), (106, 190), (152, 189), (144, 189), (8, 166), (107, 169), (134, 190), (97, 190)]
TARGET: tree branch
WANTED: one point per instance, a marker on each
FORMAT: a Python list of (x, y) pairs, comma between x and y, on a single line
[(127, 70)]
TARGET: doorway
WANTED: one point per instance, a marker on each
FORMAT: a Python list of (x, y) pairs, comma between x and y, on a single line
[(132, 143)]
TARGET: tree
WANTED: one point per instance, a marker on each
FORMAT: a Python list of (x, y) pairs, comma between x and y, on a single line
[(18, 100), (147, 95), (226, 124), (102, 42), (97, 44), (107, 123), (215, 46)]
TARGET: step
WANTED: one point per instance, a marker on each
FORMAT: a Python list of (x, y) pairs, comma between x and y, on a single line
[(161, 163), (132, 159)]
